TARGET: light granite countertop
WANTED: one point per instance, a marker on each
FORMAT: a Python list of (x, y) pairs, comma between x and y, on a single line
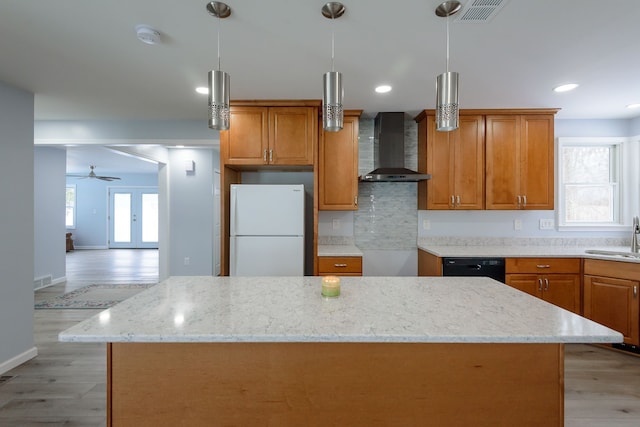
[(339, 250), (370, 309), (526, 251)]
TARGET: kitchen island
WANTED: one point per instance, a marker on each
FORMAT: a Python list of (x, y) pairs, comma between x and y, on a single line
[(388, 351)]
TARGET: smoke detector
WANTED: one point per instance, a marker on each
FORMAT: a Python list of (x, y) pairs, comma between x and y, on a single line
[(147, 34)]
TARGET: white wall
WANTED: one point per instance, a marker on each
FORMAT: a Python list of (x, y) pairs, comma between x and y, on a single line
[(49, 213), (191, 212), (16, 227)]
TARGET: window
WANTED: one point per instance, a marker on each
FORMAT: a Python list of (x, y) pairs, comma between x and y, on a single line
[(70, 216), (589, 182)]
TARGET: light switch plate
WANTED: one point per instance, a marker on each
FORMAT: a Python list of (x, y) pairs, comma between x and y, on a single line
[(517, 224), (426, 224), (336, 224), (547, 224)]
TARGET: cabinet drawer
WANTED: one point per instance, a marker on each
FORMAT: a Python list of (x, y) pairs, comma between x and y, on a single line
[(542, 265), (619, 269), (339, 265)]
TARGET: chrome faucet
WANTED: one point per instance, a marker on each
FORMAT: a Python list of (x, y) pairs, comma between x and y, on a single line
[(634, 236)]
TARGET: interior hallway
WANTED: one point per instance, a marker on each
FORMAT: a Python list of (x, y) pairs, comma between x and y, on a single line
[(66, 384)]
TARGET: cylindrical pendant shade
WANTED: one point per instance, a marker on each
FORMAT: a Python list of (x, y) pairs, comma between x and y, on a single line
[(332, 113), (447, 101), (219, 100)]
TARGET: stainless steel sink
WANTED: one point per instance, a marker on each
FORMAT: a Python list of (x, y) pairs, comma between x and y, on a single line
[(613, 253)]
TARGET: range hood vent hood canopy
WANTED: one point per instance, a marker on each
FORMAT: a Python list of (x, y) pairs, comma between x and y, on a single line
[(388, 146)]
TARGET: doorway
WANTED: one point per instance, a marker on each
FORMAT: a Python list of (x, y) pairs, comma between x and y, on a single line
[(133, 217)]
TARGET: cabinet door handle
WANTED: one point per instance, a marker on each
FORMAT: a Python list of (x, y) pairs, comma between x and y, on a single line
[(355, 200), (546, 284), (519, 201), (457, 200), (635, 291), (453, 200), (540, 285), (543, 266), (524, 201), (271, 156), (340, 265), (264, 156)]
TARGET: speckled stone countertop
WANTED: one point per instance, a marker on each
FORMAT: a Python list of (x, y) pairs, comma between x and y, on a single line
[(526, 251), (339, 250), (370, 309)]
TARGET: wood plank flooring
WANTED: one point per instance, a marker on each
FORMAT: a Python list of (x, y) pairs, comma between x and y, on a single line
[(66, 385)]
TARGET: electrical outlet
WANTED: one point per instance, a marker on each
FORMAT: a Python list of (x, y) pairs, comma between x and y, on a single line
[(517, 224), (547, 224), (187, 261), (336, 224), (426, 224)]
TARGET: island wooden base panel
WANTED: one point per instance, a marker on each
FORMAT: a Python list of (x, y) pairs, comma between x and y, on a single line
[(354, 384)]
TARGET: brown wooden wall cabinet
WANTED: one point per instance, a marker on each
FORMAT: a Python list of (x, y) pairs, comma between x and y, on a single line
[(555, 280), (260, 135), (497, 159), (340, 266), (611, 296), (338, 166), (519, 162), (455, 161), (267, 135)]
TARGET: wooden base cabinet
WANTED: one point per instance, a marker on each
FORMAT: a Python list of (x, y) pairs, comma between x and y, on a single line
[(611, 296), (335, 384), (340, 266), (555, 280)]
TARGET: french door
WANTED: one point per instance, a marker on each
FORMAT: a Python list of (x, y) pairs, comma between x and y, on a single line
[(133, 217)]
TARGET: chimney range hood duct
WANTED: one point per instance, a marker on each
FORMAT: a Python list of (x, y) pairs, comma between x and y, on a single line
[(388, 146)]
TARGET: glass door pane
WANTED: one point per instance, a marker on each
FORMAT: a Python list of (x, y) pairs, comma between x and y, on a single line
[(122, 217), (149, 217)]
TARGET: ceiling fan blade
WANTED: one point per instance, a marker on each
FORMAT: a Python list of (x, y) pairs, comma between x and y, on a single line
[(107, 178)]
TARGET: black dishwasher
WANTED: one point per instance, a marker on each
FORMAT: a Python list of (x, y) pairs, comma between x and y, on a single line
[(485, 267)]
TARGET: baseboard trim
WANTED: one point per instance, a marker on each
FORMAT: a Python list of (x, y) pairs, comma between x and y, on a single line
[(18, 360), (91, 247), (53, 282)]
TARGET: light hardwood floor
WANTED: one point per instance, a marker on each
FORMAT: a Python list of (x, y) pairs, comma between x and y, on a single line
[(66, 385)]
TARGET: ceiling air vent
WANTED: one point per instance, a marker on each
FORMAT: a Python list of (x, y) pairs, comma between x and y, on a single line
[(477, 11)]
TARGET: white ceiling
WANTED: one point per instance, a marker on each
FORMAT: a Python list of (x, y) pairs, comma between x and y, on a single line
[(107, 161), (82, 60)]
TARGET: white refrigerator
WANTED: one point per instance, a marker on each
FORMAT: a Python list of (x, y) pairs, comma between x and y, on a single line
[(266, 230)]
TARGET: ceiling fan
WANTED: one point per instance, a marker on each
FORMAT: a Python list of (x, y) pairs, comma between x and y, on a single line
[(93, 175)]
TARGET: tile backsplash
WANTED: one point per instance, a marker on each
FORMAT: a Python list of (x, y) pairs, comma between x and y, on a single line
[(387, 217)]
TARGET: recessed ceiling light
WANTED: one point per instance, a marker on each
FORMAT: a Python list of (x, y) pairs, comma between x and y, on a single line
[(565, 88), (383, 89), (202, 90), (633, 106)]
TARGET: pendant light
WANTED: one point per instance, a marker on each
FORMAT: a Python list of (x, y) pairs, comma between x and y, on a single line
[(218, 80), (332, 112), (447, 111)]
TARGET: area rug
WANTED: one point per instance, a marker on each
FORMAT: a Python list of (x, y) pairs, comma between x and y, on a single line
[(94, 296)]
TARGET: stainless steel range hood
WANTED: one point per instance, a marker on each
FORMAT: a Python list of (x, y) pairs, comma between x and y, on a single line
[(388, 146)]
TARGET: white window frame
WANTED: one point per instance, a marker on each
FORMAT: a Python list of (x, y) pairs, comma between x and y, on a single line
[(75, 206), (621, 205)]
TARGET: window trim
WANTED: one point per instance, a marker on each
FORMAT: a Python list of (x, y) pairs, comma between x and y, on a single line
[(75, 206), (623, 178)]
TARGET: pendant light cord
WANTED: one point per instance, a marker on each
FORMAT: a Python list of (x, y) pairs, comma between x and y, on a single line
[(219, 42), (332, 42), (447, 44)]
